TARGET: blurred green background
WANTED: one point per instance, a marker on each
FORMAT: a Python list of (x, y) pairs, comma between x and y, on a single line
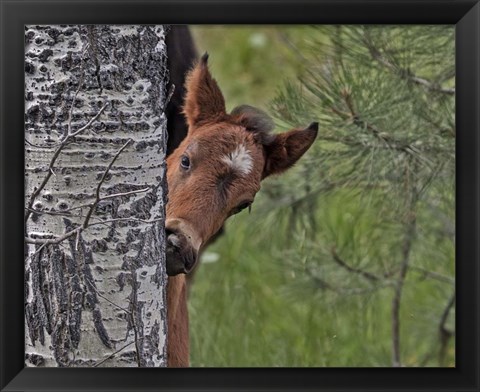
[(348, 259)]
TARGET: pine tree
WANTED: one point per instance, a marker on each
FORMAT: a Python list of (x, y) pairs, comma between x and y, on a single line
[(385, 100)]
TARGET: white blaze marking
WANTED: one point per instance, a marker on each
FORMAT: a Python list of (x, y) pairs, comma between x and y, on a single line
[(239, 160)]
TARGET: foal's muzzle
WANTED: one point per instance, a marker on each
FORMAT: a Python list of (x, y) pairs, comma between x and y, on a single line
[(182, 249)]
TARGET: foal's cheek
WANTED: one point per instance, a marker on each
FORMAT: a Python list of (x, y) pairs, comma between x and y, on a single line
[(174, 182)]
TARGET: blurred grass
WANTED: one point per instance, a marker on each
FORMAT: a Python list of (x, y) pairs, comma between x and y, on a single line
[(256, 305), (250, 63)]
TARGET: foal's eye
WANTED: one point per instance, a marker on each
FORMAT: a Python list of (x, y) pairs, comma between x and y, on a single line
[(242, 206), (185, 162)]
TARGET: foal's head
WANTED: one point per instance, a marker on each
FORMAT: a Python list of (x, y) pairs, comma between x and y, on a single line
[(217, 169)]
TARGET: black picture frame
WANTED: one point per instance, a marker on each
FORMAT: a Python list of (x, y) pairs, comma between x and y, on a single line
[(465, 14)]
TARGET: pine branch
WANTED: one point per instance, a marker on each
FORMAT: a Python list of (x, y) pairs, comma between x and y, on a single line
[(433, 275), (362, 124), (404, 73), (367, 275)]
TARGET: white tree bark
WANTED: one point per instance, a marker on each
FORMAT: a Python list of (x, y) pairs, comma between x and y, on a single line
[(95, 196)]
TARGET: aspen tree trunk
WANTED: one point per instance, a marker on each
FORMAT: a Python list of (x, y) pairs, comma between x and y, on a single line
[(95, 196)]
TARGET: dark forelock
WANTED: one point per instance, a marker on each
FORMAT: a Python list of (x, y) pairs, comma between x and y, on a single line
[(255, 121)]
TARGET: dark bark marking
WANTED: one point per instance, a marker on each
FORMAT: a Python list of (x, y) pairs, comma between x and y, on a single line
[(100, 328), (61, 337), (93, 51), (151, 342), (141, 208), (35, 359)]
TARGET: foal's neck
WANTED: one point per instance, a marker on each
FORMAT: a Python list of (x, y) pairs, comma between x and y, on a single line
[(177, 316)]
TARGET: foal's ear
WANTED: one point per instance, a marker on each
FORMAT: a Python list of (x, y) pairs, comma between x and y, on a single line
[(287, 148), (204, 101)]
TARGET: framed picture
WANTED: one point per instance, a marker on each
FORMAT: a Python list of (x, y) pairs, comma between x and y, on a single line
[(370, 142)]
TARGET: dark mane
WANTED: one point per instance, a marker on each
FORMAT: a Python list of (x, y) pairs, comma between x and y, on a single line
[(255, 121)]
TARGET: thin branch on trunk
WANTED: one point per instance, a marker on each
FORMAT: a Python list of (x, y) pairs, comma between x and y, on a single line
[(113, 354), (100, 183), (55, 156), (57, 240), (92, 285), (38, 250), (125, 220), (52, 241), (77, 231), (67, 211), (86, 126), (124, 194)]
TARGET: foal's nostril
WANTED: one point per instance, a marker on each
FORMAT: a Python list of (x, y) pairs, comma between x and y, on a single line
[(173, 238), (181, 254)]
